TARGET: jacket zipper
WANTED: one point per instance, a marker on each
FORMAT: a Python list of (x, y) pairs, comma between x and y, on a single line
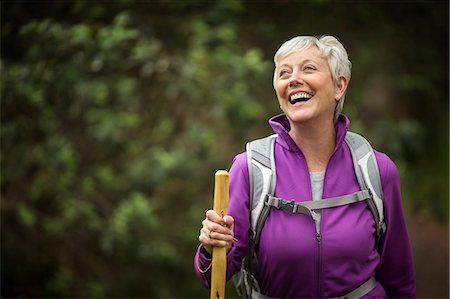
[(319, 253), (317, 226), (316, 216)]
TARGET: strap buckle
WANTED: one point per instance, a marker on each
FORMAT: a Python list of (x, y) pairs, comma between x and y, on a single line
[(289, 206), (272, 201)]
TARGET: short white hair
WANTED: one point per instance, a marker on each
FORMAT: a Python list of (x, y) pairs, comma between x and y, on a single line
[(330, 48)]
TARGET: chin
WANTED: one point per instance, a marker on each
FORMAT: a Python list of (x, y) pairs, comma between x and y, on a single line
[(302, 117), (299, 116)]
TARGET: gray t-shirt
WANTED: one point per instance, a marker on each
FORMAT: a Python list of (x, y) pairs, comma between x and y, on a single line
[(317, 189), (317, 184)]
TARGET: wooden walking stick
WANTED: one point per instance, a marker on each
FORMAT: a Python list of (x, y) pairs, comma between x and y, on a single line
[(219, 254)]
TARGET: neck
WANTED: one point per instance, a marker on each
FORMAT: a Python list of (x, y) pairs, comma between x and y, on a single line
[(317, 143)]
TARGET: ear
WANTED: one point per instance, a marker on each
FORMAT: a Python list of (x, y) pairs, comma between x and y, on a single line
[(341, 87)]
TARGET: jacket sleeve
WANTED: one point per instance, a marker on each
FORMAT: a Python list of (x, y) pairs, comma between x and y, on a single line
[(395, 270), (238, 208)]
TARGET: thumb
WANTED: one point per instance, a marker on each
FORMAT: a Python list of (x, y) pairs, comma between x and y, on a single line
[(228, 220)]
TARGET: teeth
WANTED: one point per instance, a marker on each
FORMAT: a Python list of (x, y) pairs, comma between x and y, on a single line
[(302, 95)]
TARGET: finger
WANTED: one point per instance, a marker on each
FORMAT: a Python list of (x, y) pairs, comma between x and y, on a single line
[(214, 227), (219, 236), (217, 224), (218, 243), (208, 234), (215, 240), (204, 237), (214, 217), (228, 220)]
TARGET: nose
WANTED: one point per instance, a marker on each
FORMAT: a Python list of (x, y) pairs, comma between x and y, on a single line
[(295, 83), (296, 80)]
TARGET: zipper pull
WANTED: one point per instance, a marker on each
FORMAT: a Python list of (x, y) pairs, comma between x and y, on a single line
[(318, 238)]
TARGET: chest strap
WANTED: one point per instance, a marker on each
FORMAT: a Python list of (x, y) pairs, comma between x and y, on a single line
[(359, 292), (309, 207)]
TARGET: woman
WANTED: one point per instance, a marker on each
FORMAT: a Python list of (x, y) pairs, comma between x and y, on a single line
[(312, 161)]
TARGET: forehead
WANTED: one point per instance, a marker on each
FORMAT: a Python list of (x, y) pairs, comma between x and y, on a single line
[(297, 56)]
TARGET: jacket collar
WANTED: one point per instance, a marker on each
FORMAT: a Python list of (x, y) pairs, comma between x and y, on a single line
[(280, 125)]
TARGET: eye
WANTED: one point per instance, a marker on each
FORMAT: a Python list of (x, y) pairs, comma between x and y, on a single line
[(283, 73), (309, 68)]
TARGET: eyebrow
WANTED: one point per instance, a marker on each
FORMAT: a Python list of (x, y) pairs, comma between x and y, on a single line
[(283, 65), (301, 62)]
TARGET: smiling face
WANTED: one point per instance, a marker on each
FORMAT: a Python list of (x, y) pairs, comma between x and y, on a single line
[(305, 88)]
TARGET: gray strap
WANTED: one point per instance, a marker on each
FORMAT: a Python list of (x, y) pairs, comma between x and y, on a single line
[(308, 207), (261, 167), (262, 175), (359, 292), (368, 176), (362, 290), (360, 147), (259, 224), (258, 295), (338, 201)]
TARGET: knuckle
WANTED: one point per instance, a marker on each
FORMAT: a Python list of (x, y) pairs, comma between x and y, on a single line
[(209, 214), (217, 243)]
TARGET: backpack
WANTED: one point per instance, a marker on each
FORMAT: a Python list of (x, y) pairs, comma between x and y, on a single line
[(262, 176)]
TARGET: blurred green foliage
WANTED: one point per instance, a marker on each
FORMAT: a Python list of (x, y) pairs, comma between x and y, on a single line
[(115, 117)]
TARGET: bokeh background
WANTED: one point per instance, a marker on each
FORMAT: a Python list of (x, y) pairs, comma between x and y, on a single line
[(115, 116)]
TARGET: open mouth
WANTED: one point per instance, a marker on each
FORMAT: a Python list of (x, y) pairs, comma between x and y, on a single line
[(299, 97)]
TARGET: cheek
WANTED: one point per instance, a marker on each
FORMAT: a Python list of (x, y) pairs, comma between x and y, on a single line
[(280, 100), (280, 89)]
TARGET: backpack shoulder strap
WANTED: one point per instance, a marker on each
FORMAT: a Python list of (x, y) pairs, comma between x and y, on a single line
[(368, 175), (262, 178), (262, 175)]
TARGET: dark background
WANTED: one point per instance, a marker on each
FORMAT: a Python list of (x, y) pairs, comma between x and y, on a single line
[(115, 116)]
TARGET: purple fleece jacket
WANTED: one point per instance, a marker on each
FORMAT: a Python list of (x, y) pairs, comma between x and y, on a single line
[(292, 263)]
